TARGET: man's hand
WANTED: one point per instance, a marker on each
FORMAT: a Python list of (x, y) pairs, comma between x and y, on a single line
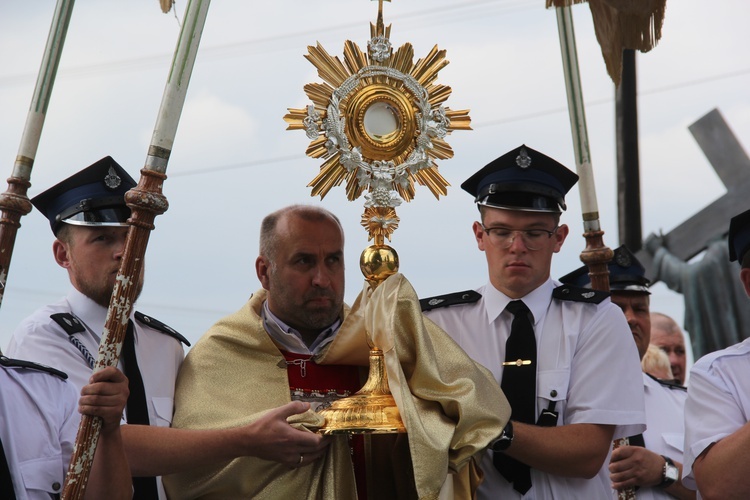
[(635, 466), (105, 396), (272, 438)]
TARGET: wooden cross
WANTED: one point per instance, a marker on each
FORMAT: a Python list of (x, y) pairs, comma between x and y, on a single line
[(726, 155)]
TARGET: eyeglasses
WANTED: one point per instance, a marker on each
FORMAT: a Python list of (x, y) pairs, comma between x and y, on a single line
[(503, 237)]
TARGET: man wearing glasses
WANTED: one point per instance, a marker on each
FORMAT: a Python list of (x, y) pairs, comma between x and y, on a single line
[(563, 355)]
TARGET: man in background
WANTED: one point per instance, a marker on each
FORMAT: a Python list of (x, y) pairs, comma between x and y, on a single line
[(717, 432), (667, 335), (652, 462)]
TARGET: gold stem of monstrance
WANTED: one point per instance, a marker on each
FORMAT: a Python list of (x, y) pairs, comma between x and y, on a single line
[(372, 409)]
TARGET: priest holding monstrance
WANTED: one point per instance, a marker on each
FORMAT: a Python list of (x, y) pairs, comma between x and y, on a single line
[(413, 428)]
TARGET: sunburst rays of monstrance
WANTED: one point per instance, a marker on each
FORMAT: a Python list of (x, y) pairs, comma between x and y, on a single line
[(379, 123)]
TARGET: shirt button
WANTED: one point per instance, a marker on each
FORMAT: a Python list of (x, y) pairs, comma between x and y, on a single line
[(553, 393), (56, 486)]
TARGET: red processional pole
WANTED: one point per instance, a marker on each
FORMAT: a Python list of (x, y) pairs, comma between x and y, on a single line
[(146, 201)]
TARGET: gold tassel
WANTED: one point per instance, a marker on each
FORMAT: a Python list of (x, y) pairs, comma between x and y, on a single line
[(622, 24), (562, 3), (166, 5)]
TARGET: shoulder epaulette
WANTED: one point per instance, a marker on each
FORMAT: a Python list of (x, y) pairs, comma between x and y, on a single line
[(671, 384), (578, 294), (451, 299), (68, 322), (19, 363), (158, 325)]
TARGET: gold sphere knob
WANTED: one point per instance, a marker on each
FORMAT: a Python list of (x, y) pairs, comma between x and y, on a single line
[(377, 262)]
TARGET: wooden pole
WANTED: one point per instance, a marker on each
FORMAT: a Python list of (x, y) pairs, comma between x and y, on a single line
[(146, 201), (596, 254), (14, 203)]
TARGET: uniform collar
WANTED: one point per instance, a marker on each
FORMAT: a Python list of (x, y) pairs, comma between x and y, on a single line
[(537, 301), (89, 312)]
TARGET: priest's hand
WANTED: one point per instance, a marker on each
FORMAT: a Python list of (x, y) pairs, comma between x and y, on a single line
[(273, 438)]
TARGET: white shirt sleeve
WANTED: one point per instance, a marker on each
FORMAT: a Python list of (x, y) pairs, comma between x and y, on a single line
[(713, 409)]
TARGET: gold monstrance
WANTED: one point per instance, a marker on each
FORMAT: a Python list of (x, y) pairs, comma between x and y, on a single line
[(380, 124)]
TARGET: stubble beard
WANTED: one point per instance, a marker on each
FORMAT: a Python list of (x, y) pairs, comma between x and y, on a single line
[(300, 315), (319, 319), (102, 293)]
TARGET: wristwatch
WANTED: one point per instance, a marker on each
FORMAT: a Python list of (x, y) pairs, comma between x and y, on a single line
[(670, 474), (506, 438)]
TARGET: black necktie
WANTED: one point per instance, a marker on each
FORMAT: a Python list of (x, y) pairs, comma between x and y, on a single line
[(519, 386), (6, 482), (137, 409)]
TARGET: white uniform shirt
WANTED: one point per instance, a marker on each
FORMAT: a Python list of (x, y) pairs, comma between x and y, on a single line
[(587, 363), (718, 402), (38, 425), (665, 432), (39, 338)]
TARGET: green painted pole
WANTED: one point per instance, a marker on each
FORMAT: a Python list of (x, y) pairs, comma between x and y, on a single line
[(14, 203)]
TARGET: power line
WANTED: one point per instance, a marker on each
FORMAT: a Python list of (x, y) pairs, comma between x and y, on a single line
[(698, 81), (489, 123), (235, 166), (606, 100), (441, 15), (447, 14)]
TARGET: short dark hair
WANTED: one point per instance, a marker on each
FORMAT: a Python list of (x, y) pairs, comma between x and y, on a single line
[(269, 236)]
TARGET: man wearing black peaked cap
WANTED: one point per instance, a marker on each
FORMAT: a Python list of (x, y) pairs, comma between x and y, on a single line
[(717, 432), (88, 216), (92, 197), (560, 353), (653, 460)]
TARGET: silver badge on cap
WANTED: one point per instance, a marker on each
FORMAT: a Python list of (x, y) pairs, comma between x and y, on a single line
[(112, 180), (622, 259), (523, 159)]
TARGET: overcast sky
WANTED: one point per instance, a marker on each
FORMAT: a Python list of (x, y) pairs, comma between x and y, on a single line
[(233, 161)]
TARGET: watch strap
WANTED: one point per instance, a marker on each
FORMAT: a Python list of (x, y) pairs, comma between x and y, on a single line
[(666, 480), (503, 441)]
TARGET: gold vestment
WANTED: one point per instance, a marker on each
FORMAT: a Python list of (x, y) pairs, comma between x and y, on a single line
[(452, 407)]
